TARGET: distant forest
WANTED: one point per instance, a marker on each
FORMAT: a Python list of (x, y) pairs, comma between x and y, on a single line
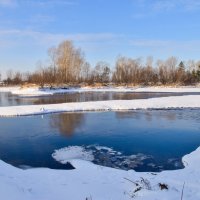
[(67, 66)]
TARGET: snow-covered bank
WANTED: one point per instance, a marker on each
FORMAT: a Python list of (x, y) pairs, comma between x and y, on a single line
[(93, 182), (168, 89), (9, 89), (45, 92), (190, 101)]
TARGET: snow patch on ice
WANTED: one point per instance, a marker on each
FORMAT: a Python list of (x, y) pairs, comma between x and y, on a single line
[(103, 148), (67, 154)]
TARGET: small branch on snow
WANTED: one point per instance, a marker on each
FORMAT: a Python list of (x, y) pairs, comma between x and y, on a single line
[(182, 191)]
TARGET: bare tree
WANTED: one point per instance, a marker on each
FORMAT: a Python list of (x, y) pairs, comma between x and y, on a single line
[(101, 73), (69, 61), (53, 65)]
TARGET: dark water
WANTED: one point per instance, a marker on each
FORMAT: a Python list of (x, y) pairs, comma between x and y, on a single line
[(7, 99), (158, 139)]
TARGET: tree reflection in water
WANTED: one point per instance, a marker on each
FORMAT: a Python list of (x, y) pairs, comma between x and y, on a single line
[(148, 115), (67, 123)]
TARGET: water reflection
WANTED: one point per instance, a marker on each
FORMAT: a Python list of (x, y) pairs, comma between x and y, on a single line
[(128, 114), (67, 123), (95, 96), (165, 136), (150, 115), (7, 99)]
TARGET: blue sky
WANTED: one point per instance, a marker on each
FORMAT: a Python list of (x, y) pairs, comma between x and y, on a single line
[(104, 29)]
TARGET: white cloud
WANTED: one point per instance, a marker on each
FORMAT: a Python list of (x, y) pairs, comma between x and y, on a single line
[(146, 8), (163, 5), (7, 3), (149, 43), (186, 45), (41, 38), (41, 18), (13, 3), (191, 4), (50, 2)]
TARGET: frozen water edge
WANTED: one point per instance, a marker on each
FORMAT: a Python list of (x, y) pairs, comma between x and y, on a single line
[(175, 102), (100, 183)]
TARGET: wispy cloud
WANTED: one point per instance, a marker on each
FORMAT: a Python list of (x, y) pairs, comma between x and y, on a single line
[(166, 44), (191, 4), (179, 5), (149, 43), (43, 38), (145, 8), (17, 37), (13, 3), (8, 3), (164, 5), (42, 18), (50, 2)]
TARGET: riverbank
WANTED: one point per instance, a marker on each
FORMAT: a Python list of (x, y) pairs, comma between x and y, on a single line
[(93, 182), (37, 91)]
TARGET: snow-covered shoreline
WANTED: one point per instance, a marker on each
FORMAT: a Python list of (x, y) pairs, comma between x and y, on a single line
[(37, 92), (9, 89), (90, 181), (175, 102)]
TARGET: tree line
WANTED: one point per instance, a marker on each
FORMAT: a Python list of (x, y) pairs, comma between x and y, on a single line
[(67, 65)]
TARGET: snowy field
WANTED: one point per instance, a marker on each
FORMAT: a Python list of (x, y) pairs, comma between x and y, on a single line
[(175, 102), (93, 182)]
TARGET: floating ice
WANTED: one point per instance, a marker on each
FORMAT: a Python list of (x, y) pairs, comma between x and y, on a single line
[(100, 155), (67, 154)]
